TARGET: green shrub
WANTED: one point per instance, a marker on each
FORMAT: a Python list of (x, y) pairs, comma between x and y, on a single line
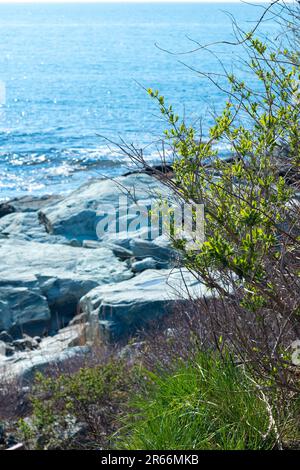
[(77, 410), (251, 252)]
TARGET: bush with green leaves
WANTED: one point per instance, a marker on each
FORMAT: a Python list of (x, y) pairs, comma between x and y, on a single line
[(251, 252), (76, 410), (247, 202)]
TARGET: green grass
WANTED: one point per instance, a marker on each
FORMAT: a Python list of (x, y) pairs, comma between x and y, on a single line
[(207, 404)]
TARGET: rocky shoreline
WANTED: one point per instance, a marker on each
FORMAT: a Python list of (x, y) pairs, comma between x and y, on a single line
[(61, 284)]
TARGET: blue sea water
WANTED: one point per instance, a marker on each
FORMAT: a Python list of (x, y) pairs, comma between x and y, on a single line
[(75, 72)]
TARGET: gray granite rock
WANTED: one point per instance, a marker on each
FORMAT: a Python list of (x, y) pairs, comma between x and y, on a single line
[(133, 246), (121, 308), (77, 215), (40, 282), (4, 336), (143, 249), (22, 304), (26, 226), (53, 351), (5, 209), (56, 265), (33, 203), (147, 263)]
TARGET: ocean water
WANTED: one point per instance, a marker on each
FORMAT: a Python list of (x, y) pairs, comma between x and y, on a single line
[(75, 74)]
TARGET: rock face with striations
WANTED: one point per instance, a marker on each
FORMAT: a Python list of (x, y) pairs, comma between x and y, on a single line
[(121, 308), (77, 216), (22, 303), (43, 282), (26, 226)]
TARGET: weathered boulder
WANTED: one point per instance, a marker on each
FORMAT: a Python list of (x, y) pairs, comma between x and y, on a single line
[(143, 249), (120, 252), (43, 282), (5, 209), (122, 239), (137, 247), (53, 351), (22, 304), (4, 336), (26, 226), (33, 203), (147, 263), (77, 215), (121, 308)]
